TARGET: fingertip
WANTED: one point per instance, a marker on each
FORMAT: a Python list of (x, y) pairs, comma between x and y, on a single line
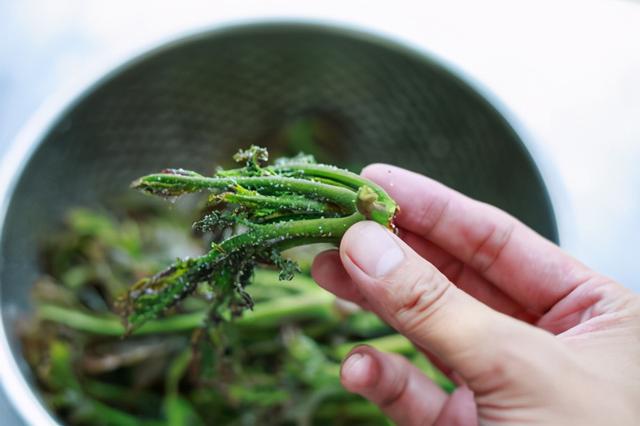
[(395, 180), (372, 248), (327, 270), (376, 170), (394, 384), (324, 264), (359, 370), (460, 409), (351, 237)]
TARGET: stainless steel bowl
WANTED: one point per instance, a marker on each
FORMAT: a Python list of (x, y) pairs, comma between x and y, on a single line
[(193, 102)]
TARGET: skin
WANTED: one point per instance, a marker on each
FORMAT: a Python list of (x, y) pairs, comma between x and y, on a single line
[(530, 334)]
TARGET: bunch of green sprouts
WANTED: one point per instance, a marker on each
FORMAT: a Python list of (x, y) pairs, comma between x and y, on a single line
[(255, 213), (277, 364)]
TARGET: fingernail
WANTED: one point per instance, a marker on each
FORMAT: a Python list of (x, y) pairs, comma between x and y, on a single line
[(355, 369), (374, 250)]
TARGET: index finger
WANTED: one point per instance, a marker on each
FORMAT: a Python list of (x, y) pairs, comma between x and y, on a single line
[(523, 264)]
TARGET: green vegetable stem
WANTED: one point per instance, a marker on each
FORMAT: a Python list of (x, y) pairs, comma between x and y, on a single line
[(256, 211)]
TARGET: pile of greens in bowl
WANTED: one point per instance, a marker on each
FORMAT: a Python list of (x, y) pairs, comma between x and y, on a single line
[(204, 313)]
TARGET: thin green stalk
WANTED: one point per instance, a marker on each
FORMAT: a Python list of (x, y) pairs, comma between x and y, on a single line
[(151, 296), (310, 229), (384, 209), (332, 173), (317, 305), (281, 203), (278, 207), (171, 185)]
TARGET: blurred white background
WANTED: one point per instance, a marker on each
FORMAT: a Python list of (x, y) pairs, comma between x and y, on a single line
[(568, 71)]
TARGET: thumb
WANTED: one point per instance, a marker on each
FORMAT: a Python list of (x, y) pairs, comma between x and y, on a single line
[(417, 300)]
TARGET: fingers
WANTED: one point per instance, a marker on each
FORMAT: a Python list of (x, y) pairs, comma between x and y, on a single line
[(467, 279), (575, 313), (329, 273), (415, 298), (401, 391), (527, 267), (459, 410)]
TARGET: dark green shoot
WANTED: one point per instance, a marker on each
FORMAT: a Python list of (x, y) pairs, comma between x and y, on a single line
[(254, 213)]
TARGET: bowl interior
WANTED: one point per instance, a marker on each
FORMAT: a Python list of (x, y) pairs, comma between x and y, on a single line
[(348, 98)]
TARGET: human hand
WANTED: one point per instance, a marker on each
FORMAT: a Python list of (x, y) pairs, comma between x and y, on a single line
[(530, 334)]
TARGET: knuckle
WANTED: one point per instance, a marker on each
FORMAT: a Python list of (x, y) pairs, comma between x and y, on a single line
[(418, 297), (394, 393), (513, 356), (431, 215), (454, 269), (491, 244), (504, 370)]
